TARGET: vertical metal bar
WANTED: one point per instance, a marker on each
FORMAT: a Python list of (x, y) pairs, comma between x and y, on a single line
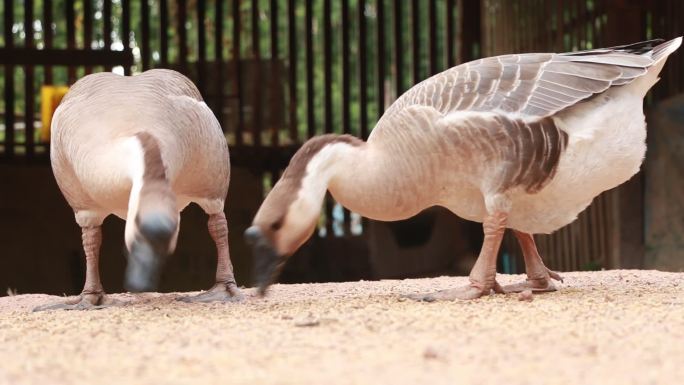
[(164, 33), (381, 56), (310, 122), (398, 49), (274, 126), (107, 27), (87, 28), (237, 84), (182, 17), (201, 44), (582, 24), (432, 35), (71, 37), (327, 67), (9, 82), (363, 86), (292, 46), (346, 124), (28, 81), (126, 29), (327, 79), (218, 60), (450, 42), (560, 7), (47, 36), (145, 34), (415, 40), (256, 67)]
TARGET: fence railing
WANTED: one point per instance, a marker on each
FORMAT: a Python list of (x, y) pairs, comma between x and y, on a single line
[(276, 72)]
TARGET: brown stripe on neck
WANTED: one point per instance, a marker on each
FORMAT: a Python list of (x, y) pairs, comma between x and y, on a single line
[(156, 195), (274, 208), (152, 159), (297, 167)]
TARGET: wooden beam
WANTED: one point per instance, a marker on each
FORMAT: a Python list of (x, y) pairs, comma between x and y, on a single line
[(66, 57)]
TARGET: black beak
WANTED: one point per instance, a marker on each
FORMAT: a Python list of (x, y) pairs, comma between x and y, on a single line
[(267, 263), (148, 252)]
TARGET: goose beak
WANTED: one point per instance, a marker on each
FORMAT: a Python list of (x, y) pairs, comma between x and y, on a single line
[(267, 262), (147, 254), (142, 270)]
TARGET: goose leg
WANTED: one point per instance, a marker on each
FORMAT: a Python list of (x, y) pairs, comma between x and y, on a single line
[(93, 295), (483, 274), (538, 275), (225, 289)]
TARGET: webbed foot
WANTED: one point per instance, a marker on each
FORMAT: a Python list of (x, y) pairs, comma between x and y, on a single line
[(221, 292), (85, 301)]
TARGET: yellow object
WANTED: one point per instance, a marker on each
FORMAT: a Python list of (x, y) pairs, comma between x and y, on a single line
[(50, 96)]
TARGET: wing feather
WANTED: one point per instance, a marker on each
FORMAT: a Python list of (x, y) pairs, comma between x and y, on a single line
[(529, 86)]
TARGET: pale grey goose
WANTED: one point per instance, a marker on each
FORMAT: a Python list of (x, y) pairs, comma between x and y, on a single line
[(141, 148), (517, 141)]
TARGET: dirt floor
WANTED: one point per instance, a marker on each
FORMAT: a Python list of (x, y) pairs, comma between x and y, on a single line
[(614, 327)]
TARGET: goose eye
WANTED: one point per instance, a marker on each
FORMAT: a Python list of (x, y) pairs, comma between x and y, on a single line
[(277, 224)]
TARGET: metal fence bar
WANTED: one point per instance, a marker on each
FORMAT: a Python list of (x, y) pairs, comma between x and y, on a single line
[(163, 33), (71, 36), (29, 95), (9, 82), (415, 41), (218, 60), (47, 37), (363, 69), (126, 29), (256, 58), (432, 36), (237, 83), (398, 49), (87, 29), (327, 108), (346, 101), (182, 16), (380, 12), (292, 51), (106, 26), (450, 41), (274, 127), (310, 118), (145, 34), (201, 45), (327, 68)]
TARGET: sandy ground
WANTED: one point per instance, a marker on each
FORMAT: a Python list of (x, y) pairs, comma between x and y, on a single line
[(617, 327)]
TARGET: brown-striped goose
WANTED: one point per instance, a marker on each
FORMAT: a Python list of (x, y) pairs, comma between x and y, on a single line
[(517, 141), (141, 148)]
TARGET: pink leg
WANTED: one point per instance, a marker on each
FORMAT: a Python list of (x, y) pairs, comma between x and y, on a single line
[(538, 275), (483, 275), (92, 296), (225, 288)]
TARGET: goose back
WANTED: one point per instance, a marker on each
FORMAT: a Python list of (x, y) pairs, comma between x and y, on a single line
[(94, 124)]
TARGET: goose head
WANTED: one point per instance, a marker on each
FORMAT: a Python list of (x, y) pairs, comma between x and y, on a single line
[(286, 219), (289, 214)]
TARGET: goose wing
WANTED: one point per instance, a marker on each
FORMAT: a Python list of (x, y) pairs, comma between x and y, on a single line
[(530, 86)]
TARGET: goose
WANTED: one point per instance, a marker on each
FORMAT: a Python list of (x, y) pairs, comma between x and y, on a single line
[(141, 148), (521, 142)]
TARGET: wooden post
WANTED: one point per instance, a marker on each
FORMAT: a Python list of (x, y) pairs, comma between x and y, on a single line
[(626, 24)]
